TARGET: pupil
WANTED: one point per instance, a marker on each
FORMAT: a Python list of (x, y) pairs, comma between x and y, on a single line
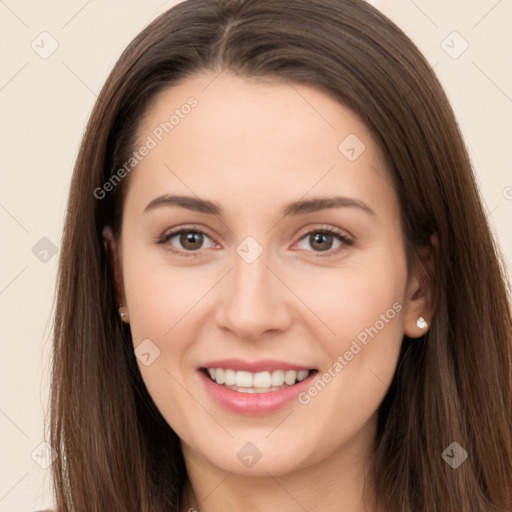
[(319, 237), (192, 238)]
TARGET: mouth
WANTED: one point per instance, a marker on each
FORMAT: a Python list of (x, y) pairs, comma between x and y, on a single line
[(260, 382), (254, 388)]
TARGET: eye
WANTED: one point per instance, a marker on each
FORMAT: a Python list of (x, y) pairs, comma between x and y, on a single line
[(190, 239), (322, 240)]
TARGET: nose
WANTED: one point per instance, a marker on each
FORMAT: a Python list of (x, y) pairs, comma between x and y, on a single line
[(254, 302)]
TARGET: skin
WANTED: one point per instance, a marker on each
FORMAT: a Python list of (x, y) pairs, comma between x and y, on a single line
[(254, 146)]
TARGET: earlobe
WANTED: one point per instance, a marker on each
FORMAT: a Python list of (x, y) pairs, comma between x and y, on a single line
[(123, 313), (417, 314), (416, 325), (111, 251), (419, 302)]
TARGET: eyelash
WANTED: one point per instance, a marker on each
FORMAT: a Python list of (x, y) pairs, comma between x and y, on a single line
[(346, 241)]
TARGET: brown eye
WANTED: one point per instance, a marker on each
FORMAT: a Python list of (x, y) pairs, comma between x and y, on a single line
[(325, 240), (191, 240), (321, 241), (185, 240)]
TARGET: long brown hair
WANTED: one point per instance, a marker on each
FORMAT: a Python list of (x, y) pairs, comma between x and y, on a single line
[(116, 451)]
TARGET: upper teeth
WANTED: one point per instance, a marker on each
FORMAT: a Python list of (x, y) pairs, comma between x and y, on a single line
[(256, 380)]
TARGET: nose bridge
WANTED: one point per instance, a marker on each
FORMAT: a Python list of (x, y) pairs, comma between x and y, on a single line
[(251, 282), (253, 301)]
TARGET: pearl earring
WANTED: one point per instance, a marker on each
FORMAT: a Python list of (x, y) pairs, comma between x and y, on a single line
[(421, 322), (123, 314)]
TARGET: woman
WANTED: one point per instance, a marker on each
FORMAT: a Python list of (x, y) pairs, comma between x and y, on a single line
[(278, 288)]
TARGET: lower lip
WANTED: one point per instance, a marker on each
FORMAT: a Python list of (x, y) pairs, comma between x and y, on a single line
[(254, 403)]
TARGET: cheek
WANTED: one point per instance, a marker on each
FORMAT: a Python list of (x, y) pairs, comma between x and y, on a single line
[(159, 296), (356, 296), (161, 303), (364, 309), (166, 305)]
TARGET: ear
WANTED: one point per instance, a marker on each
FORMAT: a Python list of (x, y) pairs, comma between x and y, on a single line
[(113, 257), (420, 290)]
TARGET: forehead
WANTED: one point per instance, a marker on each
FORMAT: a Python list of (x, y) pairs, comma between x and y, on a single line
[(260, 137), (251, 111)]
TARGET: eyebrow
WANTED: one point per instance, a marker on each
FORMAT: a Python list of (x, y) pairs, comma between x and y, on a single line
[(296, 208)]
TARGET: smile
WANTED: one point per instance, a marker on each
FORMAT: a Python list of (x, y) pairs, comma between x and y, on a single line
[(254, 388), (260, 382)]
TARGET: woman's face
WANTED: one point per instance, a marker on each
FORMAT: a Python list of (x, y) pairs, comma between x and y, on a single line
[(254, 290)]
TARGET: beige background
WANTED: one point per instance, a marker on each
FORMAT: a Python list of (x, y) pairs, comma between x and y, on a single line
[(45, 104)]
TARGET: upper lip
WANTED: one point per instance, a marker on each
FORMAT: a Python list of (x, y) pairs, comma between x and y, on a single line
[(260, 365)]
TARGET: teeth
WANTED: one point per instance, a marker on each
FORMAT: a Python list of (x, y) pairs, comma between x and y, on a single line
[(256, 382), (289, 377), (302, 375), (242, 379), (277, 378), (220, 376), (230, 377), (262, 380)]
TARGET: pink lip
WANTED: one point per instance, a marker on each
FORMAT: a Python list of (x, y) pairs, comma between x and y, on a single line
[(253, 403), (253, 366)]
